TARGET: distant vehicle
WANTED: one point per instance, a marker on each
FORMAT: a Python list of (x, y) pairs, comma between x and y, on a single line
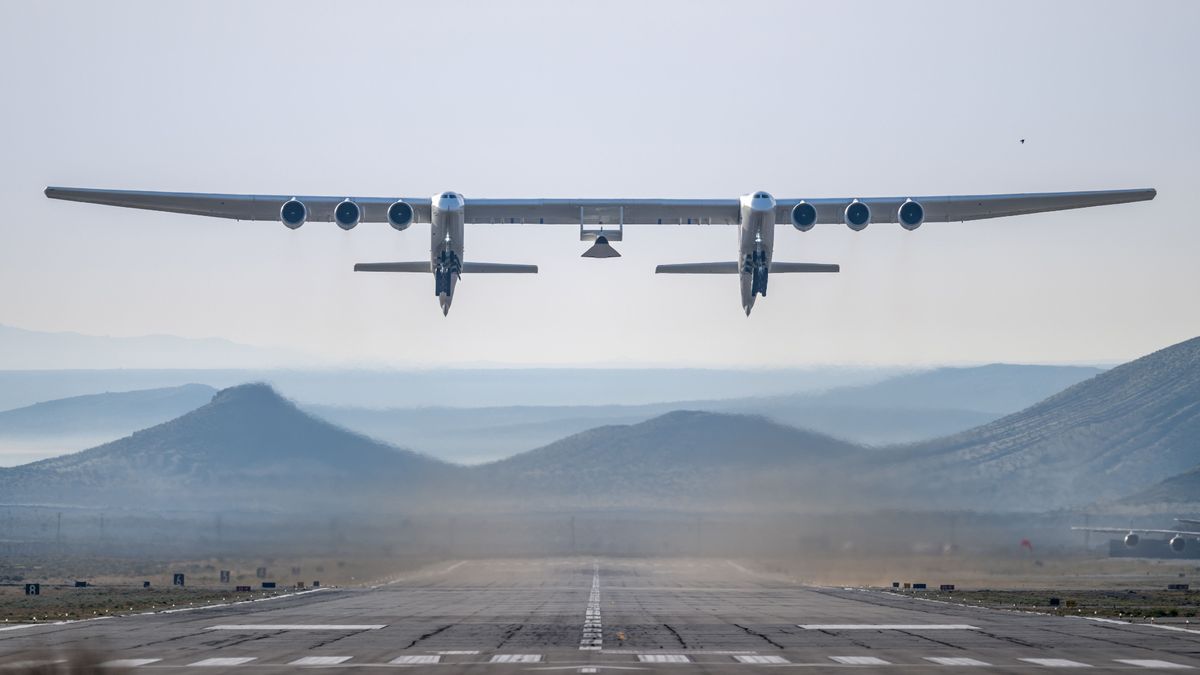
[(756, 215), (1133, 536)]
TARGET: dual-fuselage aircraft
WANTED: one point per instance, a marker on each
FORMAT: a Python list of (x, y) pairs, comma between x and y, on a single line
[(602, 221)]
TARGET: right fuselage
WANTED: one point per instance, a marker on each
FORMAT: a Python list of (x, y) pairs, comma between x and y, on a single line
[(756, 245)]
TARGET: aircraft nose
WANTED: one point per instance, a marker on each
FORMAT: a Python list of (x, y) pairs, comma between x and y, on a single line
[(762, 201)]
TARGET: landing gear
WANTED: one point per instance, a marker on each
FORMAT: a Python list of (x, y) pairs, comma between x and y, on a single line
[(756, 266), (448, 266)]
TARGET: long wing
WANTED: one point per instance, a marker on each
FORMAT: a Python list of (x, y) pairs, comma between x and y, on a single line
[(236, 207), (949, 208), (600, 211)]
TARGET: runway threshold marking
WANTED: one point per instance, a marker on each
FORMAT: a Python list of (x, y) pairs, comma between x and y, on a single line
[(414, 659), (1153, 663), (766, 660), (320, 660), (516, 658), (860, 660), (887, 626), (1056, 663), (128, 663), (956, 661), (663, 658), (222, 661), (297, 626)]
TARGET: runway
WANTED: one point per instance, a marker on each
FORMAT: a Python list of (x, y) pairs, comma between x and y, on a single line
[(604, 615)]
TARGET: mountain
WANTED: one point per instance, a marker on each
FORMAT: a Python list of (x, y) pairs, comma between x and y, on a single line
[(1117, 433), (906, 408), (1183, 488), (22, 349), (64, 425), (247, 447), (684, 459), (104, 413)]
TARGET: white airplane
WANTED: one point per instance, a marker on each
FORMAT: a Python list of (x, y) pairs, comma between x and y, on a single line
[(1177, 541), (756, 215)]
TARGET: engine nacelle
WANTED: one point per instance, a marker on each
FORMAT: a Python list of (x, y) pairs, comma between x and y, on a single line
[(804, 216), (910, 215), (1177, 543), (293, 213), (857, 216), (347, 214), (1131, 539), (400, 215)]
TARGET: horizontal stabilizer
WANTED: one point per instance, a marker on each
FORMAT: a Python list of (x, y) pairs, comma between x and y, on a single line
[(734, 268), (700, 268), (787, 267), (497, 268), (418, 266)]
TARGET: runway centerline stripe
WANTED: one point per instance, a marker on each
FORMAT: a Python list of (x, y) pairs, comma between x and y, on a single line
[(887, 626), (1056, 663), (1152, 663), (320, 660), (298, 626), (128, 663), (593, 629)]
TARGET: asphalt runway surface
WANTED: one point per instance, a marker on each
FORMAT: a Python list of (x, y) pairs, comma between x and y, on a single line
[(604, 615)]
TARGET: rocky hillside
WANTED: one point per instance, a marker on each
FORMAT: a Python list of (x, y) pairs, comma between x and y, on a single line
[(1117, 433)]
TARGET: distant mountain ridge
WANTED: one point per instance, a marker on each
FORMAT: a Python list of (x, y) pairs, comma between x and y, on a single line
[(22, 349), (905, 408), (124, 411), (247, 445)]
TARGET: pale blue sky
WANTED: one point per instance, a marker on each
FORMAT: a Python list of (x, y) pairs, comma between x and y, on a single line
[(607, 99)]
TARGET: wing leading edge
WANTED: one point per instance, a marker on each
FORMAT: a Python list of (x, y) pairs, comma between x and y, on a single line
[(605, 211)]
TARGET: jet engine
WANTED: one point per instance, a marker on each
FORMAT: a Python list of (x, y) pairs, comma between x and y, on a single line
[(910, 215), (293, 213), (857, 216), (347, 214), (400, 215), (1177, 543), (1131, 539), (804, 216)]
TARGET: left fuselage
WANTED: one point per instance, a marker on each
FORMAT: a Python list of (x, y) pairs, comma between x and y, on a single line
[(756, 245)]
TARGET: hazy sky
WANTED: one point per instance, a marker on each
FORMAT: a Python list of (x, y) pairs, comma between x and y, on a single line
[(607, 99)]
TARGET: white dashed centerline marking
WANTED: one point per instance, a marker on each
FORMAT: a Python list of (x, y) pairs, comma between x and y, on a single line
[(593, 631), (222, 661), (320, 660), (663, 658), (956, 661), (414, 659), (860, 661), (1152, 663), (1056, 663), (516, 658)]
